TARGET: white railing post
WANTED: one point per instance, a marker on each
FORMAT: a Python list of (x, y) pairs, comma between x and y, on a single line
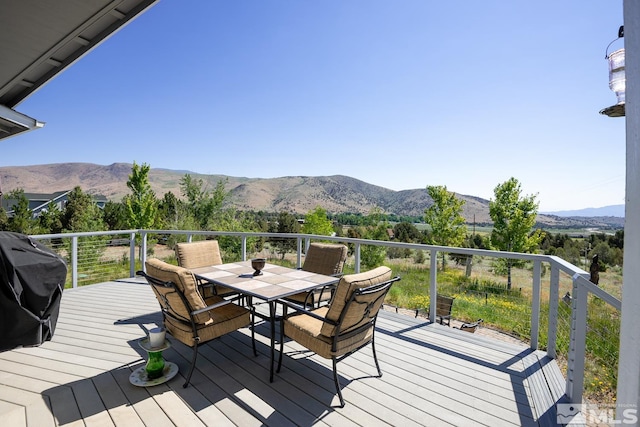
[(535, 305), (74, 261), (132, 254), (577, 343), (357, 258), (299, 258), (554, 299), (143, 250), (244, 248), (433, 285), (307, 243)]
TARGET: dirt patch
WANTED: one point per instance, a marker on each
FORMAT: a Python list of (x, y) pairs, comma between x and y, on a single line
[(114, 253), (482, 330)]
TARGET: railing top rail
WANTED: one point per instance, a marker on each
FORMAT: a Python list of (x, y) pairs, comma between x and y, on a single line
[(597, 291), (561, 264), (82, 234), (551, 259)]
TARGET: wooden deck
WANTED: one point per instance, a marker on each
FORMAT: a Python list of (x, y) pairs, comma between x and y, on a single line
[(432, 375)]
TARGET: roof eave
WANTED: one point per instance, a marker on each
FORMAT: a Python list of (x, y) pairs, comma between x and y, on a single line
[(13, 123)]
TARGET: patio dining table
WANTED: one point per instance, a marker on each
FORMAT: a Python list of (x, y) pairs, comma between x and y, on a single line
[(274, 282)]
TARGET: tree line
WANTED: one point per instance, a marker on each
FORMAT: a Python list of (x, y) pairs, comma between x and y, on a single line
[(203, 208)]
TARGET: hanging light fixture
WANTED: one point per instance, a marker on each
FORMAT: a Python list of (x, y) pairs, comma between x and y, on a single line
[(617, 79)]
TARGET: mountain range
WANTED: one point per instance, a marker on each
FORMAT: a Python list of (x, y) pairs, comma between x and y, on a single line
[(612, 210), (295, 194)]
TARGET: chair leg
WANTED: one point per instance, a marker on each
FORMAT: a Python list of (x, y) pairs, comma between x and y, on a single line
[(253, 331), (375, 356), (193, 365), (335, 379), (284, 313), (249, 302)]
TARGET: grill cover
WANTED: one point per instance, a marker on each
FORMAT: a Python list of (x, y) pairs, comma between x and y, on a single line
[(31, 281)]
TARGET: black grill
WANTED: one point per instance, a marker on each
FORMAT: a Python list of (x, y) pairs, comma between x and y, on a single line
[(31, 281)]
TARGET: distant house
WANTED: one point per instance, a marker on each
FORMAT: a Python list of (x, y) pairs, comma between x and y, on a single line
[(38, 202)]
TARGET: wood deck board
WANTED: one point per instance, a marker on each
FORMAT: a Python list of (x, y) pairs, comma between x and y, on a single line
[(432, 375), (146, 407), (31, 362), (13, 414), (37, 407), (315, 405), (115, 401), (413, 358), (64, 406)]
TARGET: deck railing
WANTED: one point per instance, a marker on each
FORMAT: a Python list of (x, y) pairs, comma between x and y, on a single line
[(85, 266)]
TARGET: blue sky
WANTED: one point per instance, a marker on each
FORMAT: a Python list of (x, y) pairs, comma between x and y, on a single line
[(400, 94)]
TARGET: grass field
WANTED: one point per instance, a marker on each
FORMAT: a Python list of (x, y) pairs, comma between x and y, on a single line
[(484, 296)]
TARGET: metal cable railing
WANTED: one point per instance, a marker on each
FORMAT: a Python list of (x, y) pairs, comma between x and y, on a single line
[(551, 304)]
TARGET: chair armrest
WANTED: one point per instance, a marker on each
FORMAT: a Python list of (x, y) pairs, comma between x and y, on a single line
[(306, 299), (236, 298), (294, 305), (203, 284), (320, 291), (211, 307)]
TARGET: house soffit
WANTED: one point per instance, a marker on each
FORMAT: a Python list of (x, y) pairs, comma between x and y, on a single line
[(39, 39)]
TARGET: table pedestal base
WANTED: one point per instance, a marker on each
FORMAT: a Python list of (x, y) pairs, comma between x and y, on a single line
[(140, 378)]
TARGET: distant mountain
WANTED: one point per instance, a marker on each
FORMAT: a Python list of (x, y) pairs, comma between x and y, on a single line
[(612, 210), (295, 194)]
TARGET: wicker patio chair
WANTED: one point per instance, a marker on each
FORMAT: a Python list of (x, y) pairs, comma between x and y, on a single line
[(347, 324), (203, 253), (187, 316), (321, 258)]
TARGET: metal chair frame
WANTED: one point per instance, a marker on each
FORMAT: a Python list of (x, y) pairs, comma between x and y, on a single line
[(381, 289), (318, 248), (444, 305), (168, 311), (215, 290)]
